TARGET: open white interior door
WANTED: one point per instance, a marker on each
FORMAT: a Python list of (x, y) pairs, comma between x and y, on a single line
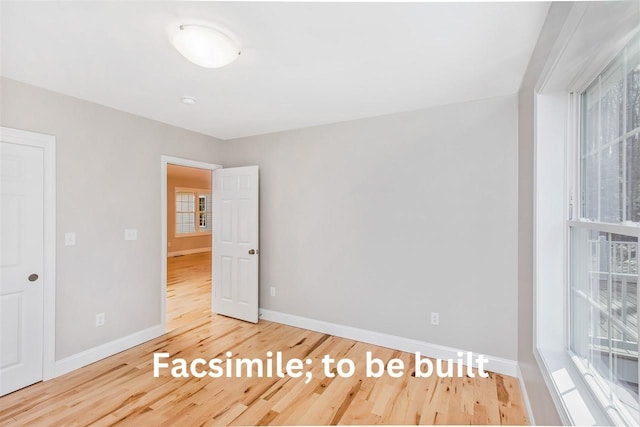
[(21, 265), (235, 242)]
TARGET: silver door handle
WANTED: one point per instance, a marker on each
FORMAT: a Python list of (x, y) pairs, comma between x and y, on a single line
[(33, 277)]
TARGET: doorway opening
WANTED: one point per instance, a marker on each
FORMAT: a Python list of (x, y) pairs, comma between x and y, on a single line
[(187, 241), (189, 221)]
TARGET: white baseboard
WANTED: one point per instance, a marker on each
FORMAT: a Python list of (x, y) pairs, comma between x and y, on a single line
[(102, 351), (495, 364), (189, 252), (525, 397)]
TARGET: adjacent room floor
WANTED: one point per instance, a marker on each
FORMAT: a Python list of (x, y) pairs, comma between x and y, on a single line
[(122, 389), (188, 289)]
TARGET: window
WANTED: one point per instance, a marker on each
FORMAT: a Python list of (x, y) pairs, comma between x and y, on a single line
[(604, 240), (193, 212)]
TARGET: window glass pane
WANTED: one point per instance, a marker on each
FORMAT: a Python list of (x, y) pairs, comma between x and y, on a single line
[(624, 309), (205, 221), (185, 223), (581, 284), (633, 178), (590, 186), (611, 184), (185, 213), (205, 215), (633, 85), (590, 118), (186, 199), (590, 153), (608, 151), (611, 104), (209, 212), (209, 222), (604, 328), (599, 344)]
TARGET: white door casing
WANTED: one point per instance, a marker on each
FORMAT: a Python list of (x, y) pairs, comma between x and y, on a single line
[(235, 242), (21, 265)]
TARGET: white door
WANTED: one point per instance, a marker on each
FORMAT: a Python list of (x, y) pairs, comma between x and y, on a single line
[(21, 265), (235, 242)]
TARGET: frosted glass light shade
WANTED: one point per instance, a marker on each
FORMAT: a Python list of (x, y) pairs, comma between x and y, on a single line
[(205, 46)]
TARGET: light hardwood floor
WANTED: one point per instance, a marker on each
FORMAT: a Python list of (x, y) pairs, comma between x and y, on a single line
[(122, 390), (188, 289)]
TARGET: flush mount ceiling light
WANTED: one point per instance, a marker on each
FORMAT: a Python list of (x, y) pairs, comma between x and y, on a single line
[(205, 46)]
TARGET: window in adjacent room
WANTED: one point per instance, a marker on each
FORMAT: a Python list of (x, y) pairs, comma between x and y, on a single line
[(604, 240), (193, 212)]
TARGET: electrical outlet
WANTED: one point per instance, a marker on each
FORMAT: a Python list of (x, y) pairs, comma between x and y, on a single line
[(100, 319), (435, 318), (273, 291)]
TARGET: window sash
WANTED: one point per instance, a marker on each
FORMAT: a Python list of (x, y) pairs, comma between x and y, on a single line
[(601, 299), (193, 212), (608, 144), (610, 132)]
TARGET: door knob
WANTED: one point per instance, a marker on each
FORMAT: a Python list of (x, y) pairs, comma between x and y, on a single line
[(33, 277), (253, 251)]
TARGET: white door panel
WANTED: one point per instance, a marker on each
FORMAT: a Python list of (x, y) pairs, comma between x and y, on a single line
[(21, 255), (235, 242)]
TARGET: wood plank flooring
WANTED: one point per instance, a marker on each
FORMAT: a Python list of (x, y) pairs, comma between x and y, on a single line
[(121, 389), (188, 289)]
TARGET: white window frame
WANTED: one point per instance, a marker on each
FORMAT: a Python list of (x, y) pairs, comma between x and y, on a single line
[(598, 385), (592, 34), (197, 193)]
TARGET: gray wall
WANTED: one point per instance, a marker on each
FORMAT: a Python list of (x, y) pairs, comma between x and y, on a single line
[(371, 223), (108, 179), (375, 223), (542, 405)]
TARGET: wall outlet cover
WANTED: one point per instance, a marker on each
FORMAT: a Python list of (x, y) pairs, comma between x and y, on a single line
[(435, 318), (131, 234), (100, 319)]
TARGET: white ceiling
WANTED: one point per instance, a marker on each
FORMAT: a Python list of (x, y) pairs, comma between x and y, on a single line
[(302, 64)]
